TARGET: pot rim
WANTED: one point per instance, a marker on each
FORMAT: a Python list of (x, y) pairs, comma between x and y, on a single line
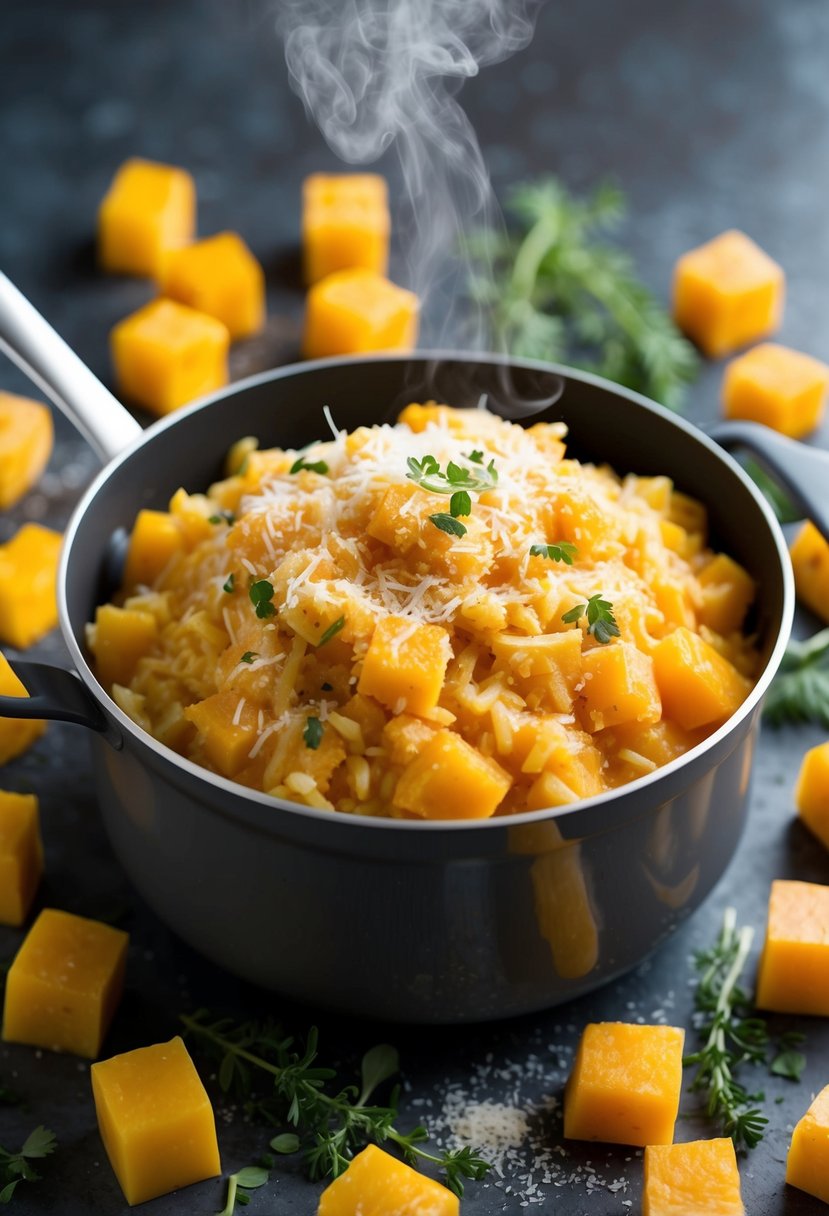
[(371, 823)]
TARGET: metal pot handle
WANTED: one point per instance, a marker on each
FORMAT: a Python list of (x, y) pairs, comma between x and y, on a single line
[(56, 694), (803, 471)]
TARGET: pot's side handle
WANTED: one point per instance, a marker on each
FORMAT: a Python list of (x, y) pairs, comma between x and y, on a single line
[(55, 694), (803, 471)]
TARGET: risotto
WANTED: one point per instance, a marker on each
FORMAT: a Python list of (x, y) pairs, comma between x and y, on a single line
[(445, 618)]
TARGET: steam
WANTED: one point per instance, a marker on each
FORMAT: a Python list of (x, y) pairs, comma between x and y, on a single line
[(384, 74)]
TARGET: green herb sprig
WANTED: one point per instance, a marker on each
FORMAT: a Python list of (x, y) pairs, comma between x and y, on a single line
[(248, 1179), (313, 732), (16, 1167), (261, 594), (313, 466), (561, 552), (332, 631), (601, 623), (800, 690), (457, 482)]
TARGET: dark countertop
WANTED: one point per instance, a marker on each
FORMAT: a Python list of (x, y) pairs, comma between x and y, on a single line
[(709, 117)]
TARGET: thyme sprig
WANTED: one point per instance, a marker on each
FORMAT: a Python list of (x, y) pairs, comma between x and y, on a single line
[(331, 1122)]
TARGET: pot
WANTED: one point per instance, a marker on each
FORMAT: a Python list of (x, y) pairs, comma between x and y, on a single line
[(412, 921)]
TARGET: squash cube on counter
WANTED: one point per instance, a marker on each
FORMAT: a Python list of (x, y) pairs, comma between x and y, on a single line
[(777, 386), (119, 638), (699, 1178), (405, 664), (727, 293), (450, 779), (807, 1166), (345, 224), (793, 976), (619, 686), (625, 1084), (28, 585), (810, 562), (812, 792), (65, 983), (26, 436), (221, 277), (148, 210), (697, 685), (21, 855), (16, 734), (166, 355), (377, 1184), (354, 312), (155, 1120)]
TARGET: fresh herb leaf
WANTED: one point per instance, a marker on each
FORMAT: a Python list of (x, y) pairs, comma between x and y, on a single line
[(332, 631), (287, 1143), (447, 523), (781, 504), (249, 1179), (229, 584), (800, 690), (561, 552), (249, 656), (379, 1064), (601, 623), (426, 473), (460, 504), (313, 733), (313, 466), (222, 517), (475, 457), (573, 614), (789, 1064), (261, 594), (16, 1168)]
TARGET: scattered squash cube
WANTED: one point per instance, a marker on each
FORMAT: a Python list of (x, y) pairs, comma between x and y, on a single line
[(221, 277), (697, 685), (26, 436), (353, 312), (377, 1184), (65, 983), (16, 734), (154, 539), (727, 592), (166, 355), (619, 686), (345, 224), (28, 585), (793, 976), (625, 1084), (228, 725), (812, 792), (450, 779), (727, 293), (777, 386), (810, 562), (120, 637), (21, 855), (149, 210), (155, 1120), (405, 664), (807, 1166), (700, 1177)]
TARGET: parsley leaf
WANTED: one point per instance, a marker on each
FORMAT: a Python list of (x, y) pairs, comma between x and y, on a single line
[(800, 690), (426, 473), (313, 466), (222, 517), (460, 504), (261, 594), (313, 733), (249, 656), (601, 623), (788, 1064), (561, 552), (332, 631), (15, 1167), (229, 584), (447, 523), (476, 457)]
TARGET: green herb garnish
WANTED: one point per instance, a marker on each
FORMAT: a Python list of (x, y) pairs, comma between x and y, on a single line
[(229, 584), (427, 474), (249, 656), (601, 623), (789, 1064), (16, 1167), (779, 501), (800, 690), (249, 1179), (222, 517), (287, 1143), (313, 733), (261, 594), (313, 466), (448, 523), (562, 552), (332, 631)]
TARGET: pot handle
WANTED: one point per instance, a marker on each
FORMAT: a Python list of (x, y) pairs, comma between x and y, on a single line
[(42, 355), (802, 470), (56, 694)]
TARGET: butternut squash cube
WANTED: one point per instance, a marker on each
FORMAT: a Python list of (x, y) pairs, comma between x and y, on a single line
[(625, 1084), (727, 293), (28, 585), (65, 983), (16, 734), (121, 637), (405, 664), (699, 1178), (166, 355), (727, 592), (154, 539), (227, 724), (26, 436), (345, 224), (619, 686), (807, 1166), (697, 685), (793, 976), (810, 562), (812, 792), (149, 210), (450, 779), (353, 312), (155, 1120), (221, 277), (21, 855), (777, 386), (377, 1184)]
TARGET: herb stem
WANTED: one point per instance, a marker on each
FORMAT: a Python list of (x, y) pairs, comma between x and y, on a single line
[(531, 253)]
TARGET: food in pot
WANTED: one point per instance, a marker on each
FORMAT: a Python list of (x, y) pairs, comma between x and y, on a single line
[(807, 1165), (375, 1184), (28, 585), (345, 224), (793, 976), (700, 1176), (21, 855), (357, 311), (778, 386), (812, 791), (26, 434), (444, 618), (148, 210), (221, 277)]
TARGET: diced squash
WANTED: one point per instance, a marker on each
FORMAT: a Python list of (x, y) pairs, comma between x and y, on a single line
[(807, 1165), (65, 983), (727, 592), (619, 686), (353, 312), (405, 664), (697, 685), (21, 855), (28, 585), (155, 1120), (563, 907), (154, 539), (121, 637), (377, 1184), (394, 522), (699, 1178), (149, 210), (166, 355), (449, 779), (227, 724), (812, 792), (727, 293), (777, 386), (810, 562), (404, 736), (221, 277), (345, 224), (625, 1084), (26, 436), (16, 734), (793, 975)]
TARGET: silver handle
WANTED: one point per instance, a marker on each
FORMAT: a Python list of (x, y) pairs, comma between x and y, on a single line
[(30, 342)]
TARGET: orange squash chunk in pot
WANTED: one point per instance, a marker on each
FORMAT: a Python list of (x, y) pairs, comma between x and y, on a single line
[(16, 734), (727, 592), (793, 976), (227, 724), (26, 435), (405, 664), (697, 685), (148, 210), (807, 1166), (221, 277), (28, 585), (449, 779), (699, 1178), (810, 562), (377, 1184), (619, 686), (119, 638), (154, 539), (780, 387), (812, 792), (345, 224), (21, 855), (354, 312)]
